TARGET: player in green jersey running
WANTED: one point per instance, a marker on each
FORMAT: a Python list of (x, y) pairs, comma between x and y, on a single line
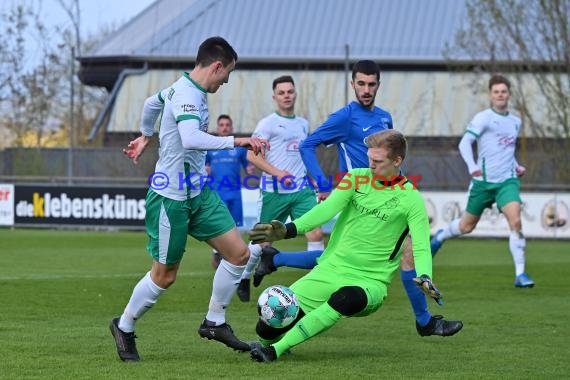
[(180, 205), (495, 175)]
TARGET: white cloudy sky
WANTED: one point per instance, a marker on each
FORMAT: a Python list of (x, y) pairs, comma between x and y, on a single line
[(95, 14)]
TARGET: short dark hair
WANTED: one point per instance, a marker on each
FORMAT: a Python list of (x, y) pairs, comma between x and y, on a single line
[(499, 79), (283, 79), (366, 67), (215, 49), (224, 116)]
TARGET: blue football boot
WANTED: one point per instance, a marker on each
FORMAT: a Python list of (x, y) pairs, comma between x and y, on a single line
[(523, 281)]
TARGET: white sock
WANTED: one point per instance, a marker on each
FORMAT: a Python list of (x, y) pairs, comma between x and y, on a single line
[(144, 296), (226, 280), (316, 245), (449, 231), (254, 255), (517, 244)]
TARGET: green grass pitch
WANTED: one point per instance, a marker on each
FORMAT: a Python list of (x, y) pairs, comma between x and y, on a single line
[(61, 288)]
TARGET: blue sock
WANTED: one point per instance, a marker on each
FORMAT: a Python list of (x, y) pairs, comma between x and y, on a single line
[(303, 260), (417, 298)]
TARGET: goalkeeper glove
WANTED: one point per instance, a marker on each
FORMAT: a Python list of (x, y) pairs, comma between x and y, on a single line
[(428, 288), (267, 232)]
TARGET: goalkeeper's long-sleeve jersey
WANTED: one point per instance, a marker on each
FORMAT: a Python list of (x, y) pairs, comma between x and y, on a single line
[(374, 221)]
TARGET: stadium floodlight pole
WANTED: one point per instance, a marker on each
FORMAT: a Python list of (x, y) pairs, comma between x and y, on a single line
[(71, 119)]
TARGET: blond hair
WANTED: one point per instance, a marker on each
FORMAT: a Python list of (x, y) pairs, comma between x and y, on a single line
[(393, 141)]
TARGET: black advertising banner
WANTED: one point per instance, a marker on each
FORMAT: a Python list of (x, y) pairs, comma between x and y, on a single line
[(86, 206)]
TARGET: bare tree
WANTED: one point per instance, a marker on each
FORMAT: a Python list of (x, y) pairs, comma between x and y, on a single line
[(35, 89), (73, 38), (529, 40), (26, 93)]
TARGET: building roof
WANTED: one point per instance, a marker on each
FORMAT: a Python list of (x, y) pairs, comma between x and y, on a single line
[(305, 31)]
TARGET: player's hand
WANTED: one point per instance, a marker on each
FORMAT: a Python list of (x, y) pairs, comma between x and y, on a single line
[(267, 232), (428, 288), (322, 195), (136, 147), (520, 170), (285, 178), (255, 144), (477, 173)]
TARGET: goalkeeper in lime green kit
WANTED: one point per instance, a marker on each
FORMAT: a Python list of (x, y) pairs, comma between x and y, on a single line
[(378, 209)]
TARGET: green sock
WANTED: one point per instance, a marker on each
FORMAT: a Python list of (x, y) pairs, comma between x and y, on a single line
[(317, 321)]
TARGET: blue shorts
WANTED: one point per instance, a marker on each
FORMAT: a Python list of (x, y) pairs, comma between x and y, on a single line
[(235, 206)]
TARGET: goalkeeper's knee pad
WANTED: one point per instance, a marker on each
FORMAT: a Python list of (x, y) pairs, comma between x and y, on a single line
[(349, 300)]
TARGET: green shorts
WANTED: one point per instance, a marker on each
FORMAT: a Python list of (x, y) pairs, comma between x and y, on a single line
[(281, 206), (317, 286), (169, 222), (482, 195)]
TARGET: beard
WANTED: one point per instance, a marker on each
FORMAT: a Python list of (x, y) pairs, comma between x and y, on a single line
[(368, 102)]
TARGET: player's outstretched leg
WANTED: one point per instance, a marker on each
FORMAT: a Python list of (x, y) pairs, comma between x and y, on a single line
[(126, 345), (439, 326)]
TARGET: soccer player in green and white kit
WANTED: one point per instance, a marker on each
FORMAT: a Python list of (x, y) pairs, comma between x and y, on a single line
[(495, 175), (378, 208), (286, 190), (177, 205)]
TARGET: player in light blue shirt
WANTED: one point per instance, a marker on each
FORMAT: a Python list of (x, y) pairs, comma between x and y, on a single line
[(224, 174), (348, 128)]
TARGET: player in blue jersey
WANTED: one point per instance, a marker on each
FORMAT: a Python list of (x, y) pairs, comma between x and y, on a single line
[(348, 128), (224, 169)]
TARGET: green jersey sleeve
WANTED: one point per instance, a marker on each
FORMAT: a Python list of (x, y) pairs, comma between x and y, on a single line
[(418, 224)]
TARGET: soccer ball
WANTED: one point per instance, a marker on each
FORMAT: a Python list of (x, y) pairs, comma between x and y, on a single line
[(278, 306)]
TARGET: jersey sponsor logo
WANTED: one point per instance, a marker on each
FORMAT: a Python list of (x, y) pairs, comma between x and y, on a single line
[(365, 210), (170, 93), (367, 128), (293, 146), (186, 108), (507, 140)]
